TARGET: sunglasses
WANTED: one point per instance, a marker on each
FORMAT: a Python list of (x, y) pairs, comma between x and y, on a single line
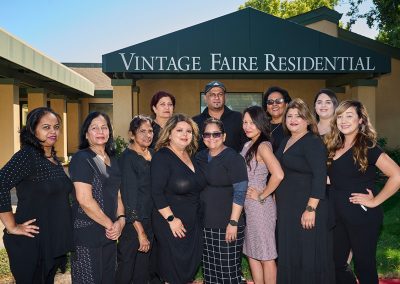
[(207, 135), (276, 101)]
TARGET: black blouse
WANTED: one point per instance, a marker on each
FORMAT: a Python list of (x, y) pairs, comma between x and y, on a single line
[(87, 167), (136, 185), (221, 172), (43, 191)]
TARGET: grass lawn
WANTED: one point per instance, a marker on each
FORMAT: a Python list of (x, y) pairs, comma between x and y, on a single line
[(388, 254)]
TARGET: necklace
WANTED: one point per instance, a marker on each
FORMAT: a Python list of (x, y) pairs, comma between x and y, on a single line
[(279, 124), (103, 157)]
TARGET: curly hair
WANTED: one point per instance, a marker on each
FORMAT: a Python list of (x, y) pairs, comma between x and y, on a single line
[(164, 141), (304, 113), (366, 136)]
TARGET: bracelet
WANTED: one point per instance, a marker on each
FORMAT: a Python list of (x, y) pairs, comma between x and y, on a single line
[(121, 216), (261, 200)]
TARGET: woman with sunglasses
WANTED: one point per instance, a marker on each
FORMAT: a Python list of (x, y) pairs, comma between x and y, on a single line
[(222, 202), (275, 101), (259, 244)]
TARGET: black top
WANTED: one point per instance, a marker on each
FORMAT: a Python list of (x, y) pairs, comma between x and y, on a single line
[(174, 184), (277, 135), (156, 131), (346, 178), (136, 185), (43, 191), (105, 180), (221, 172), (235, 137)]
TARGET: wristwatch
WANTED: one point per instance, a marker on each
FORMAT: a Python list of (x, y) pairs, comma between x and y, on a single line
[(233, 222), (170, 218), (310, 208)]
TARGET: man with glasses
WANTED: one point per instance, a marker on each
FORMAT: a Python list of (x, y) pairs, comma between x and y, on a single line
[(215, 100), (275, 101)]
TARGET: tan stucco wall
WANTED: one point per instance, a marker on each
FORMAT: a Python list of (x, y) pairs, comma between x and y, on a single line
[(9, 121), (74, 123), (387, 105), (325, 26), (187, 92)]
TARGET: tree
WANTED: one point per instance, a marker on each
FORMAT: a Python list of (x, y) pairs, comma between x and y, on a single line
[(288, 8), (385, 14)]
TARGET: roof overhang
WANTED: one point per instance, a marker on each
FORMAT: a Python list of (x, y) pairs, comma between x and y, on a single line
[(20, 61), (244, 44)]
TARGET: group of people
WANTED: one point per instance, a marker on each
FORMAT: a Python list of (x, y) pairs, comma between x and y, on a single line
[(291, 189)]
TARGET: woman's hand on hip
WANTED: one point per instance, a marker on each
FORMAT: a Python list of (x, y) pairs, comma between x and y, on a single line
[(24, 229), (366, 199)]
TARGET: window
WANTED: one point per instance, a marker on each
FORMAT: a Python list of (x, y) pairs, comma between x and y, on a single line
[(237, 101), (102, 107)]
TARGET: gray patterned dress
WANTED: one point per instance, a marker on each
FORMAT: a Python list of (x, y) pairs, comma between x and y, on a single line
[(259, 242)]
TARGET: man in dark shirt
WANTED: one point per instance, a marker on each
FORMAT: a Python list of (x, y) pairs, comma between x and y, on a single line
[(215, 100)]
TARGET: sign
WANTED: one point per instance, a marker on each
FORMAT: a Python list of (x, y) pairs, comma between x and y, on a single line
[(267, 62), (245, 42)]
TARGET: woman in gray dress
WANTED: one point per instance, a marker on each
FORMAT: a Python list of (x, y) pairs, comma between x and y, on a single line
[(259, 243)]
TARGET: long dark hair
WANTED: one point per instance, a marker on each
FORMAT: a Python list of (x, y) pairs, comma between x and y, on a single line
[(27, 133), (84, 143), (261, 121)]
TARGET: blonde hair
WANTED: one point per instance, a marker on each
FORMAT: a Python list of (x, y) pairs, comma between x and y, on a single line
[(164, 141), (366, 136), (304, 113)]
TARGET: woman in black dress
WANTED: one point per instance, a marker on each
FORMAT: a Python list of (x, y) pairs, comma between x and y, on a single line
[(137, 235), (275, 102), (222, 202), (303, 242), (162, 106), (176, 185), (39, 235), (353, 159), (97, 206)]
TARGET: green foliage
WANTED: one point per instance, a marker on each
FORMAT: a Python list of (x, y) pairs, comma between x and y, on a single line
[(120, 145), (288, 8), (4, 264), (385, 14)]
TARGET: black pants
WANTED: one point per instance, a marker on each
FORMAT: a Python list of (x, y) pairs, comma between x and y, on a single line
[(133, 265), (26, 264), (94, 265), (362, 239)]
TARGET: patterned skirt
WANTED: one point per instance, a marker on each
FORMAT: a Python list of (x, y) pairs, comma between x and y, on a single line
[(222, 260)]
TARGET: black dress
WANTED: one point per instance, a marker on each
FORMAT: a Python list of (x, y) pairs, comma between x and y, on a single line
[(95, 257), (43, 191), (304, 256), (156, 133), (133, 265), (277, 135), (174, 184), (355, 229)]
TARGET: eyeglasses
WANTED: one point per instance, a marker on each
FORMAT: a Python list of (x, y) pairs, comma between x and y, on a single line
[(207, 135), (276, 101)]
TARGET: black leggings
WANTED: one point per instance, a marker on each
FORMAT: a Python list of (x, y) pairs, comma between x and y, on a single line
[(362, 239)]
